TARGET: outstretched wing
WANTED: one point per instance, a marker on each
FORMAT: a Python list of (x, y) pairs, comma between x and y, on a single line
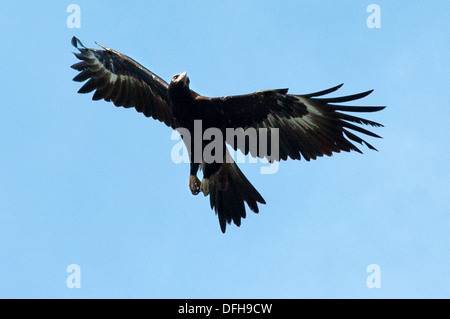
[(118, 78), (309, 125)]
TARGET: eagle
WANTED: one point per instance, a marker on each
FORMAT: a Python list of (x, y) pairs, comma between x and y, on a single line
[(307, 126)]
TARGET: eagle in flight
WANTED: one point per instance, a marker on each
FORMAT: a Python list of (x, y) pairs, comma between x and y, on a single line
[(308, 125)]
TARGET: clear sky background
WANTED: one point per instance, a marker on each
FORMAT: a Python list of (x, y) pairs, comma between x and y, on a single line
[(85, 183)]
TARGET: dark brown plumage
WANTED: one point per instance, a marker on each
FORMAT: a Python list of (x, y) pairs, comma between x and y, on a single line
[(309, 125)]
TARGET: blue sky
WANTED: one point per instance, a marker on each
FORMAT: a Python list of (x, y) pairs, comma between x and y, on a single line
[(85, 183)]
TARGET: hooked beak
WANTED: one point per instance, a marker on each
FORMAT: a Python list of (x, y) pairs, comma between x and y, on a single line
[(184, 78)]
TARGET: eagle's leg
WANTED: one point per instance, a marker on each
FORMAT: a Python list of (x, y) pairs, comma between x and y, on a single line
[(208, 171), (194, 182), (204, 186)]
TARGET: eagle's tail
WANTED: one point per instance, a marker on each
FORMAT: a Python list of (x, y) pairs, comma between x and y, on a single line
[(229, 189)]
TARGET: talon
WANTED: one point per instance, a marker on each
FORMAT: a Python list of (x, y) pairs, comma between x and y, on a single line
[(204, 186), (194, 184)]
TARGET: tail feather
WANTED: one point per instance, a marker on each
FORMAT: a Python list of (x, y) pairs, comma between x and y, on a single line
[(229, 203)]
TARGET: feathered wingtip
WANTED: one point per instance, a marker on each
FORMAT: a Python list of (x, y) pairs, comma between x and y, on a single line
[(77, 43), (317, 96), (324, 92), (80, 66)]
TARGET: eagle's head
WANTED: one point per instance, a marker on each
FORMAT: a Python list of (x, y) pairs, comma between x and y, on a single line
[(179, 92), (180, 80)]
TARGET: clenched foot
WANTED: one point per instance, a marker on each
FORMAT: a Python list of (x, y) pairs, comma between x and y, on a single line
[(204, 187), (194, 184)]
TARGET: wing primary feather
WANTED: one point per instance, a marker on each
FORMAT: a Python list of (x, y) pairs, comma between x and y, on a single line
[(358, 120), (346, 98), (101, 82), (347, 108), (118, 87), (120, 98), (75, 42), (357, 139), (103, 93), (83, 76), (88, 87), (324, 92), (80, 56), (79, 66), (359, 129)]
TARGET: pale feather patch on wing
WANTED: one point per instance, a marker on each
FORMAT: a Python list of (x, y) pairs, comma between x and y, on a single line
[(119, 79), (312, 128), (305, 122), (96, 66)]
